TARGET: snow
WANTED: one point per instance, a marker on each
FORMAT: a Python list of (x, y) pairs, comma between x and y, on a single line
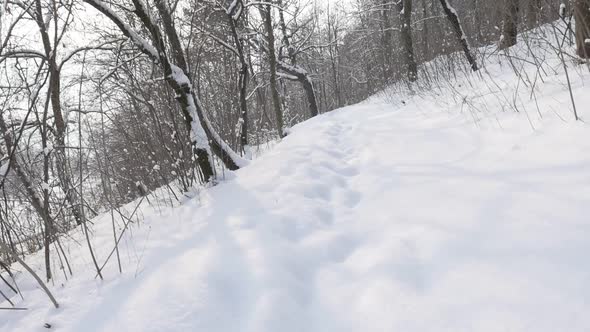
[(3, 169), (562, 10), (238, 13), (421, 215), (179, 76), (296, 70), (287, 76), (143, 44), (198, 135), (45, 186), (232, 6)]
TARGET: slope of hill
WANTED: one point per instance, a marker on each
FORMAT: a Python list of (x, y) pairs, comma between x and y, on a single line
[(444, 210)]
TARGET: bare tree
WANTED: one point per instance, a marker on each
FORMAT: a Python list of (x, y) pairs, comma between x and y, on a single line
[(292, 68), (203, 136)]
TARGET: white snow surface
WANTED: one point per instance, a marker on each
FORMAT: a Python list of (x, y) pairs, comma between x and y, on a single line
[(381, 216)]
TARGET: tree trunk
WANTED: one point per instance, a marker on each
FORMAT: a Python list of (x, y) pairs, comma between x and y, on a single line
[(203, 135), (303, 77), (243, 81), (533, 13), (190, 104), (510, 26), (334, 54), (298, 71), (425, 30), (477, 20), (453, 18), (405, 15), (387, 36), (310, 93), (582, 15), (60, 126), (272, 60)]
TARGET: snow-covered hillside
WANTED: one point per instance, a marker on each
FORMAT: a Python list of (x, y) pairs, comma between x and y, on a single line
[(440, 211)]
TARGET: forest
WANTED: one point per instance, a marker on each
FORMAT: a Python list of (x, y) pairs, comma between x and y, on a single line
[(110, 107)]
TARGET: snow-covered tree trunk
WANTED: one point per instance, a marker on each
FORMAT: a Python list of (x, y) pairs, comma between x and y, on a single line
[(294, 69), (453, 18), (582, 15), (203, 136), (302, 76)]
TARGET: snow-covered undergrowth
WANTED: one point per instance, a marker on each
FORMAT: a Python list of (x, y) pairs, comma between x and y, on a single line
[(448, 211)]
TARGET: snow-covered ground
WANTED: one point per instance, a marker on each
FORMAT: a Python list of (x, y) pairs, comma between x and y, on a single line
[(435, 214)]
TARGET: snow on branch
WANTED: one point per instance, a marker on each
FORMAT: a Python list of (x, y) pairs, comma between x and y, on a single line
[(287, 76), (143, 44)]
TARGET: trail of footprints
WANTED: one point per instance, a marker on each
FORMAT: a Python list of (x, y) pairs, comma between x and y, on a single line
[(323, 176), (313, 202)]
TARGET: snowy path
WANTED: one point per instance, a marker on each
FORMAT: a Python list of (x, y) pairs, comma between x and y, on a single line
[(368, 219)]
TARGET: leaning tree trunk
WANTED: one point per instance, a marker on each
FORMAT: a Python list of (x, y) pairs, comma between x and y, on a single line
[(582, 15), (219, 147), (203, 136), (510, 26), (302, 77), (405, 15), (178, 79), (310, 93), (453, 18), (296, 70)]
